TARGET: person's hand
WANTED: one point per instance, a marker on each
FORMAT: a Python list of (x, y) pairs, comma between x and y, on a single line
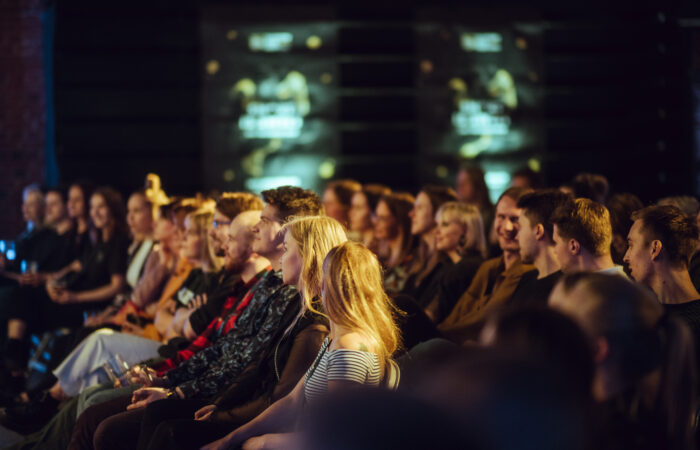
[(171, 306), (130, 328), (75, 266), (144, 375), (32, 279), (204, 414), (60, 295), (198, 301), (145, 396)]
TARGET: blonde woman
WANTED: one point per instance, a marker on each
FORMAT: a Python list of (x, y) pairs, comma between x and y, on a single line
[(460, 235), (363, 337)]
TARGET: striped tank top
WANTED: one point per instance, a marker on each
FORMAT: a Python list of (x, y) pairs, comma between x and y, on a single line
[(340, 365)]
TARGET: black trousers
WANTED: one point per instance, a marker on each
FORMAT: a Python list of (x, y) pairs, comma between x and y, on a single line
[(186, 434), (110, 426)]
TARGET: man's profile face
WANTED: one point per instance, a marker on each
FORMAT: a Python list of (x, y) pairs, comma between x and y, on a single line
[(638, 254), (561, 251), (527, 240), (267, 240)]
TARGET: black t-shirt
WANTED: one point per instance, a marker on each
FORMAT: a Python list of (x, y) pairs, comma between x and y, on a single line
[(427, 289), (100, 262), (689, 312), (455, 279), (534, 292)]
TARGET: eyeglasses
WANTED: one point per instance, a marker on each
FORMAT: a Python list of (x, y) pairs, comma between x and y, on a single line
[(221, 223)]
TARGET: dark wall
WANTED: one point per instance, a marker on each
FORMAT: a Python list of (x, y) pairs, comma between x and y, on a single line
[(127, 93), (22, 107)]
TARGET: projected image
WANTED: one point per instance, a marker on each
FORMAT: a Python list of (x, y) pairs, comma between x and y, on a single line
[(479, 96), (268, 104)]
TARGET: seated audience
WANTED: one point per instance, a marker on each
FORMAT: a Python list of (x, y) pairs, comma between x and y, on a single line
[(537, 247), (459, 235), (428, 262), (471, 188), (645, 381), (337, 199), (363, 337), (362, 208), (496, 279), (392, 229), (582, 236), (210, 371)]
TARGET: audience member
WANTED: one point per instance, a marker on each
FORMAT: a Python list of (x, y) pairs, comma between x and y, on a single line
[(537, 247), (661, 241), (337, 199), (582, 236), (228, 206), (460, 236), (645, 380), (496, 279), (362, 208), (363, 337), (428, 262), (392, 229), (471, 188)]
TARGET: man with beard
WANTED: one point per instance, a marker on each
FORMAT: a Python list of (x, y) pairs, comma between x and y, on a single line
[(537, 247), (228, 206), (496, 279)]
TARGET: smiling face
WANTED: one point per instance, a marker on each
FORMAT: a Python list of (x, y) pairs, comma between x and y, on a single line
[(139, 216), (422, 215), (360, 214), (448, 233), (291, 260), (55, 208), (638, 255), (99, 212), (267, 241), (507, 225), (76, 202)]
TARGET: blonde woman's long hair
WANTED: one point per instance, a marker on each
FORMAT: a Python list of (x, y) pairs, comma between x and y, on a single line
[(470, 218), (315, 236), (354, 297), (201, 221)]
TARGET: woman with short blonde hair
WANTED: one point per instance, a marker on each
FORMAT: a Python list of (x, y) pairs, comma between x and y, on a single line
[(469, 219)]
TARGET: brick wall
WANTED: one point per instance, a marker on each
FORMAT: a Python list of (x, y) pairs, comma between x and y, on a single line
[(22, 107)]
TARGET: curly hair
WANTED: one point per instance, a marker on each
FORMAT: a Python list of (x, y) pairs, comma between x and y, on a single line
[(293, 201)]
